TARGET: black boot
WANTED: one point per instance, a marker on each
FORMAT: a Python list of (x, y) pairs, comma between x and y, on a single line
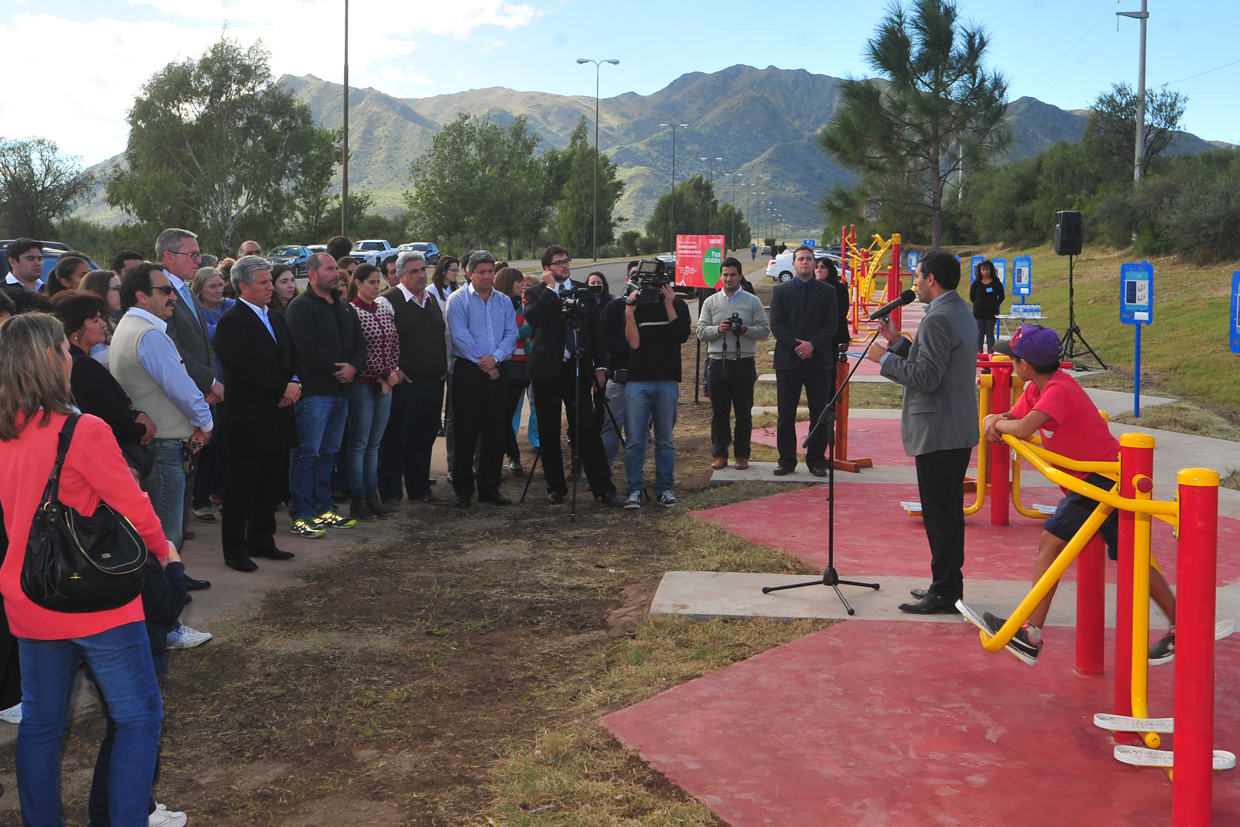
[(376, 507), (360, 511)]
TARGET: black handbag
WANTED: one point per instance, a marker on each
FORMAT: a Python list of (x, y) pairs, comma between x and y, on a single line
[(76, 563)]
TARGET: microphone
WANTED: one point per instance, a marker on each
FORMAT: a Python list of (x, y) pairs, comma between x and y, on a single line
[(907, 297)]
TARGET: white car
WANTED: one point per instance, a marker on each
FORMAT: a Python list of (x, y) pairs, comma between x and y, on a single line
[(780, 268)]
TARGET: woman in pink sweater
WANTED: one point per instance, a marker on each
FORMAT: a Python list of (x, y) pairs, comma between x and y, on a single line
[(35, 400), (370, 402)]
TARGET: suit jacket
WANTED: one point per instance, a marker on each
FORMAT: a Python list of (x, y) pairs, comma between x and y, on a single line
[(810, 313), (188, 329), (939, 373), (542, 311), (257, 370)]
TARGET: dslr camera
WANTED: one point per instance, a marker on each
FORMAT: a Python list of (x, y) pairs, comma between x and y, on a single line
[(651, 277), (735, 325)]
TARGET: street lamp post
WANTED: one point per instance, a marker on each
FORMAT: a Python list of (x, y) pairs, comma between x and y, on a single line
[(597, 69), (672, 201), (344, 159), (710, 213)]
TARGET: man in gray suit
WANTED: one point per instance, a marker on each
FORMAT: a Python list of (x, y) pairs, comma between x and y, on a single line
[(938, 422), (177, 252)]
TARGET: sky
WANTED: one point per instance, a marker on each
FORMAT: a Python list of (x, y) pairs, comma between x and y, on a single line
[(1063, 52)]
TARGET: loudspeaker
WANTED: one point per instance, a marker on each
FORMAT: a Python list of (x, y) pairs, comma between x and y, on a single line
[(1067, 233)]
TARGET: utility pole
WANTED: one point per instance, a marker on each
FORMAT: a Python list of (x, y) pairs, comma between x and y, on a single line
[(710, 212), (344, 163), (1138, 171), (672, 200), (597, 69)]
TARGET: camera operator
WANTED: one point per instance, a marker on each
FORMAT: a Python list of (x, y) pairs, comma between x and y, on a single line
[(566, 362), (731, 323), (656, 324)]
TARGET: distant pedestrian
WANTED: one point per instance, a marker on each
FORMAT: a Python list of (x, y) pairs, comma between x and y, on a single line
[(986, 293)]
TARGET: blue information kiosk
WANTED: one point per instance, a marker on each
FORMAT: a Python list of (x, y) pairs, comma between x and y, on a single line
[(1136, 307)]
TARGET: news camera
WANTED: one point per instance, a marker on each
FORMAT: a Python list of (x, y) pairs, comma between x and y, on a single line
[(650, 277)]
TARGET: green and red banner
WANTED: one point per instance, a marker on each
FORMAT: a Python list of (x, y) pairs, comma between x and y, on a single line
[(698, 260)]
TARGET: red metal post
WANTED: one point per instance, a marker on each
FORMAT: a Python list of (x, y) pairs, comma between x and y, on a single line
[(1196, 565), (1000, 453), (1091, 596), (1136, 458)]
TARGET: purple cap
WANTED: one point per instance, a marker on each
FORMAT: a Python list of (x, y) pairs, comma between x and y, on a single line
[(1033, 343)]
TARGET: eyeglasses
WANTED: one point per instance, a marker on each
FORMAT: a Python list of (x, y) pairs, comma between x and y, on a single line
[(166, 289), (561, 262), (117, 289), (194, 256)]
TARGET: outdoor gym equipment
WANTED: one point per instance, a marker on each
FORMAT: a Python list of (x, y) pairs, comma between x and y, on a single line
[(864, 266), (1194, 513)]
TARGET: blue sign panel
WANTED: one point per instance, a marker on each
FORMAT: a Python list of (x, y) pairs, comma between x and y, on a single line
[(1136, 293), (1022, 276), (1001, 271), (1235, 312), (913, 259), (809, 242), (976, 260)]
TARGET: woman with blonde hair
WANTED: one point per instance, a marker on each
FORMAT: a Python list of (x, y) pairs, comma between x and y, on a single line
[(35, 404)]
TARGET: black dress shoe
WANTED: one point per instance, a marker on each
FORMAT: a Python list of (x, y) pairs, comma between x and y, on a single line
[(819, 470), (931, 604), (781, 470), (918, 593), (498, 499), (241, 563), (462, 502), (196, 585), (611, 499), (556, 498), (273, 554)]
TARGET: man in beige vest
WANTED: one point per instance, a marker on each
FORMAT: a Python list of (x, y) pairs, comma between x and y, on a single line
[(146, 363)]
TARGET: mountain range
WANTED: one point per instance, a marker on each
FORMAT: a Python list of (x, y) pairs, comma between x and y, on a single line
[(762, 123)]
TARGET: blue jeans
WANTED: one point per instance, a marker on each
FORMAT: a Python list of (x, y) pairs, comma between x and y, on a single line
[(611, 436), (647, 403), (165, 485), (368, 417), (531, 430), (120, 660), (320, 427)]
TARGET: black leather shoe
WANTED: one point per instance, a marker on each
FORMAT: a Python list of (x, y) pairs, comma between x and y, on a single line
[(556, 498), (819, 470), (918, 594), (462, 502), (273, 554), (781, 470), (242, 563), (931, 604), (496, 500), (611, 499), (196, 585)]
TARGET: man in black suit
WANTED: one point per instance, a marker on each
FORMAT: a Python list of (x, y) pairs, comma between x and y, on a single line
[(804, 316), (558, 380), (260, 361)]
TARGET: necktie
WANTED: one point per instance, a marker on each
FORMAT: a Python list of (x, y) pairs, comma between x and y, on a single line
[(570, 335)]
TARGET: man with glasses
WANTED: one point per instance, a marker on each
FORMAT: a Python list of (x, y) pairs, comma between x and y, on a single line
[(147, 364), (25, 263), (177, 251), (417, 398), (557, 382)]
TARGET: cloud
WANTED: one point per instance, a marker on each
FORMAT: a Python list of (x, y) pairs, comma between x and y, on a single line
[(94, 87)]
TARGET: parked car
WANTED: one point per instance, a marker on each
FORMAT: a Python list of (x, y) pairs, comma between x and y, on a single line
[(780, 268), (317, 248), (293, 256), (428, 249), (372, 251)]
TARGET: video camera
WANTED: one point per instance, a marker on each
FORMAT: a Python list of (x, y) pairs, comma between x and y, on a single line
[(651, 277), (577, 302)]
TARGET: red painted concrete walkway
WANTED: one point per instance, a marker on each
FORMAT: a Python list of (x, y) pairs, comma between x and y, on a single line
[(907, 723)]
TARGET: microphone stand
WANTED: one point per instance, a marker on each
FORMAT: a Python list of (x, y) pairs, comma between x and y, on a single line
[(831, 577)]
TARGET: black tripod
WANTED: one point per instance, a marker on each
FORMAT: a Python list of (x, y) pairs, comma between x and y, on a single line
[(830, 577), (1070, 347)]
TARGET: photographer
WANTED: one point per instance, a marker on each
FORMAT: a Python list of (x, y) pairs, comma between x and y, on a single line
[(656, 324), (566, 325), (731, 322)]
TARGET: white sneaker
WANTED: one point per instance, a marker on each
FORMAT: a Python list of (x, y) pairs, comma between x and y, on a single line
[(666, 499), (12, 715), (163, 817), (187, 638), (634, 501)]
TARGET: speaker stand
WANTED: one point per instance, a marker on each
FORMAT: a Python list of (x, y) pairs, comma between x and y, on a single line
[(1071, 349)]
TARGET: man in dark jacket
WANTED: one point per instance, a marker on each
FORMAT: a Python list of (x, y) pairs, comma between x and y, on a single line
[(804, 315), (559, 380), (256, 350), (332, 349)]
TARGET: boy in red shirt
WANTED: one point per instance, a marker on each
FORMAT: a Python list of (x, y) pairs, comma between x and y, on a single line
[(1071, 426)]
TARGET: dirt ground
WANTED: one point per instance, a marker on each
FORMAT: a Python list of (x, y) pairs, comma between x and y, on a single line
[(387, 688)]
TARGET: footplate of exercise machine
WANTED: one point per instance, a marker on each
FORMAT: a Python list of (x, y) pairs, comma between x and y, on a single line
[(1142, 757)]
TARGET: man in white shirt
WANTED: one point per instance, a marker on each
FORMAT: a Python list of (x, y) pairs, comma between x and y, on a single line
[(25, 263)]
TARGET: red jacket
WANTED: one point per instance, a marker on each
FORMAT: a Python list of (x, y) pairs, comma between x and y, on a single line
[(93, 464)]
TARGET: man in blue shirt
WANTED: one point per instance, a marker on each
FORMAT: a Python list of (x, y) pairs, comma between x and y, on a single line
[(483, 326)]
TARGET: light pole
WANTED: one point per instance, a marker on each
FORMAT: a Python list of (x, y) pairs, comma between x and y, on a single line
[(672, 200), (1139, 161), (344, 161), (710, 212), (765, 230), (597, 69)]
